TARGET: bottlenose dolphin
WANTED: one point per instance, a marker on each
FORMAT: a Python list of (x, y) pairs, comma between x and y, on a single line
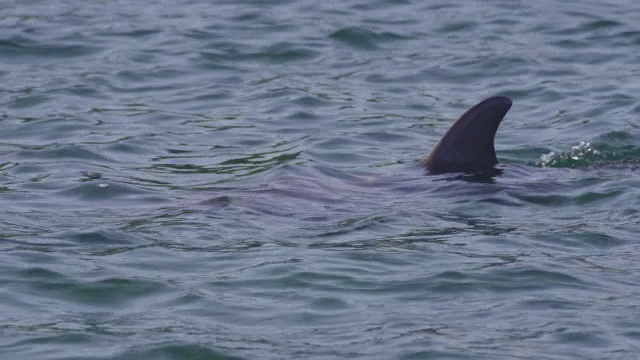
[(468, 145)]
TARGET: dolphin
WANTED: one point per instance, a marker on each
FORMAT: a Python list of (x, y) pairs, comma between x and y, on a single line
[(468, 145)]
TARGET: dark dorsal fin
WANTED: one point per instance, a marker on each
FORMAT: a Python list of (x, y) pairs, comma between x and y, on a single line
[(468, 145)]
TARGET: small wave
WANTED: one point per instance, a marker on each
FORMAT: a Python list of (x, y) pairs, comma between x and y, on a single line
[(579, 155), (586, 154)]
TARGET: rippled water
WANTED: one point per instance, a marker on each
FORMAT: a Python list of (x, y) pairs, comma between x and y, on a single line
[(191, 180)]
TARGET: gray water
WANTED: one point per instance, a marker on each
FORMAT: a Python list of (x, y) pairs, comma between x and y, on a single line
[(194, 180)]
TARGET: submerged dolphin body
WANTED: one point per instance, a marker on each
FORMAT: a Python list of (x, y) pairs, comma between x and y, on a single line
[(468, 145)]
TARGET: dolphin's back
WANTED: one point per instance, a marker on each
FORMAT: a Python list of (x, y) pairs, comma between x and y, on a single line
[(468, 145)]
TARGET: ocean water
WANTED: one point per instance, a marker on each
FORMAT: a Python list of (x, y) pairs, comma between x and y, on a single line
[(241, 180)]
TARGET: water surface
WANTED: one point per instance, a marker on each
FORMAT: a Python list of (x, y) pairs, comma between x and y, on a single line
[(241, 180)]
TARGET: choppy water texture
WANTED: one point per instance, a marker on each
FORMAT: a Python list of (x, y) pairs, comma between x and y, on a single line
[(190, 180)]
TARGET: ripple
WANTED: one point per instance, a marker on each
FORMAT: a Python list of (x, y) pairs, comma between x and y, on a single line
[(363, 39), (17, 49)]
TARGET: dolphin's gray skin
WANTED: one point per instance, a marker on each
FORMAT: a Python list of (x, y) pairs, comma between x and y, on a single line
[(468, 145)]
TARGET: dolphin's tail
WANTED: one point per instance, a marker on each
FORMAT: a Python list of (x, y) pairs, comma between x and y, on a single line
[(468, 145)]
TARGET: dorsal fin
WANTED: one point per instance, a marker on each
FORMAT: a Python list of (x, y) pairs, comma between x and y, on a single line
[(468, 145)]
